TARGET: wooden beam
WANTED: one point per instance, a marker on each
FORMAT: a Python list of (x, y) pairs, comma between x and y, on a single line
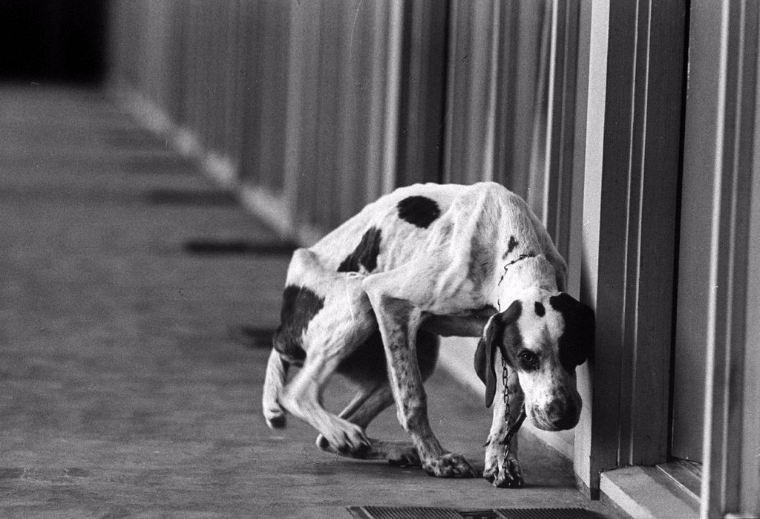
[(720, 139), (630, 218)]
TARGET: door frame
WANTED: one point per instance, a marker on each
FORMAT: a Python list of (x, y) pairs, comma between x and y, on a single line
[(630, 130), (724, 83), (631, 66)]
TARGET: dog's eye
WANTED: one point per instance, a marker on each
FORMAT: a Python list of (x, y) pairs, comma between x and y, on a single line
[(528, 359)]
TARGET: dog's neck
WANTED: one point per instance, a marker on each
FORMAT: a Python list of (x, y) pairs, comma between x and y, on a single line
[(522, 273)]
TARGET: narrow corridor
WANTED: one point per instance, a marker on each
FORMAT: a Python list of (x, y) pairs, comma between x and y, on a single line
[(126, 388)]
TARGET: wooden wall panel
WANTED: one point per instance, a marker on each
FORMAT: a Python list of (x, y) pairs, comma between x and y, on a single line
[(721, 142), (251, 19), (327, 105), (749, 499), (273, 29), (352, 123), (633, 135), (511, 102), (302, 127), (422, 98)]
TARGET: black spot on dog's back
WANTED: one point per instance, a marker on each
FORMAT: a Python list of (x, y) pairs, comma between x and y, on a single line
[(540, 310), (365, 254), (512, 244), (418, 210), (299, 306)]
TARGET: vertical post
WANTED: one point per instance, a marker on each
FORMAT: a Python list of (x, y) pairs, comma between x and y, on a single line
[(392, 95), (590, 457), (750, 470), (421, 108), (629, 223), (726, 35)]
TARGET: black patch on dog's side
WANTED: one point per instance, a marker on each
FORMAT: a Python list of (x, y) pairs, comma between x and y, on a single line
[(365, 254), (576, 344), (540, 310), (418, 210), (299, 306)]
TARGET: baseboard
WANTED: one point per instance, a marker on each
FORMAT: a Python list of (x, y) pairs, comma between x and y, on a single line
[(647, 493), (268, 207)]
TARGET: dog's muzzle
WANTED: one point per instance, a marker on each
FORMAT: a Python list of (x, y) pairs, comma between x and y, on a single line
[(558, 415)]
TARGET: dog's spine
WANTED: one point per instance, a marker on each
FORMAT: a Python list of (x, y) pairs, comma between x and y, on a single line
[(277, 370)]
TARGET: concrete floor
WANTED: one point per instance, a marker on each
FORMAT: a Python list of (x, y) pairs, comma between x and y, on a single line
[(124, 388)]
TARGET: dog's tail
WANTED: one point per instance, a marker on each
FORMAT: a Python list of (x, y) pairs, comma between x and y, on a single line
[(277, 370)]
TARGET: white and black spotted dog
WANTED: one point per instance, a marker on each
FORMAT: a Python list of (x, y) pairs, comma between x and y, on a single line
[(371, 298)]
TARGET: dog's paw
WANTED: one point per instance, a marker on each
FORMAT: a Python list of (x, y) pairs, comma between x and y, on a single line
[(449, 466), (401, 456), (276, 421), (509, 476), (323, 444), (347, 441), (275, 417)]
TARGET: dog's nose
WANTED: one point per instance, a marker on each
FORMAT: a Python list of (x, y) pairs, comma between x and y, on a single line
[(565, 422), (563, 415)]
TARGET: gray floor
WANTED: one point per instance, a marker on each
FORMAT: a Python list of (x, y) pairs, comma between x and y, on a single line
[(124, 389)]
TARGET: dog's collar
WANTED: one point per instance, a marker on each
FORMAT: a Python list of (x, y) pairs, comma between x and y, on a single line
[(519, 258), (506, 267)]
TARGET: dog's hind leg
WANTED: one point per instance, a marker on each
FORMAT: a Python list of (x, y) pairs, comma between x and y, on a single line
[(338, 320), (361, 411), (277, 370), (302, 397), (374, 398), (370, 401)]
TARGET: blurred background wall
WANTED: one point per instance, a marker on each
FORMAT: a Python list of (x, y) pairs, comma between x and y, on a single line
[(313, 109), (309, 110)]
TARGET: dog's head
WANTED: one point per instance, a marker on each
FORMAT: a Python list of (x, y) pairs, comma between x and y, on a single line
[(543, 337)]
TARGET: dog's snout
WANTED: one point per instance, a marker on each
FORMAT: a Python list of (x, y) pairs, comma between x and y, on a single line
[(565, 417), (557, 415)]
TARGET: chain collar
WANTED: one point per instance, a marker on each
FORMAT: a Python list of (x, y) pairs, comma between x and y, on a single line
[(512, 427), (506, 267)]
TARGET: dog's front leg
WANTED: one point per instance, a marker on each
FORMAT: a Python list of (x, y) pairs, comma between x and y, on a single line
[(502, 467), (399, 321)]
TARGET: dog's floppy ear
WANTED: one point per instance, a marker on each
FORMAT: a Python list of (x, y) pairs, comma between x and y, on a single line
[(576, 344), (484, 356), (493, 336)]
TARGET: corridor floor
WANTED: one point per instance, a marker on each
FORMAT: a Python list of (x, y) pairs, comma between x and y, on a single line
[(126, 388)]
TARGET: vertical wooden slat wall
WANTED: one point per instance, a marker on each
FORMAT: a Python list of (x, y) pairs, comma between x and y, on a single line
[(553, 148), (511, 99), (721, 139), (313, 109), (422, 96)]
